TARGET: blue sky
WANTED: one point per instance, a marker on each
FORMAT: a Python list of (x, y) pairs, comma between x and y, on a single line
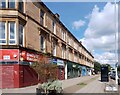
[(91, 22), (73, 11)]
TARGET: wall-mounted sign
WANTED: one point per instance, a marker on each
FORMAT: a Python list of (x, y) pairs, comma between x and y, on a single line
[(60, 62), (9, 54), (54, 61), (28, 56)]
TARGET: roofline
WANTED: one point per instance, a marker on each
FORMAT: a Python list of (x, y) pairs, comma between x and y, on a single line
[(41, 3)]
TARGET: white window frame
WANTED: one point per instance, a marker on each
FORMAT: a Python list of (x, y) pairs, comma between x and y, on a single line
[(54, 49), (9, 33), (8, 4), (54, 27), (5, 34)]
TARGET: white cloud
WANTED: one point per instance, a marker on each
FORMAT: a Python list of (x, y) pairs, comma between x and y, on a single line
[(100, 33), (105, 58), (78, 24)]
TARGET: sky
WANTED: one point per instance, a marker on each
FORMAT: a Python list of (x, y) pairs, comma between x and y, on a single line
[(93, 23)]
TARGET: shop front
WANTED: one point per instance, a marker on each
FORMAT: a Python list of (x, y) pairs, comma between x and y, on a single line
[(73, 69), (84, 71), (61, 68), (9, 75), (15, 67)]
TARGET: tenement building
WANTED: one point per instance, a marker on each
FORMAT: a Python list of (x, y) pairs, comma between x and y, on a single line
[(30, 31)]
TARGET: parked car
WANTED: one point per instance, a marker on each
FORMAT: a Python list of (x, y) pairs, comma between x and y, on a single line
[(118, 78), (112, 74)]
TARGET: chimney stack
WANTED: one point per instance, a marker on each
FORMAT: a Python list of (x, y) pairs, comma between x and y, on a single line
[(57, 15)]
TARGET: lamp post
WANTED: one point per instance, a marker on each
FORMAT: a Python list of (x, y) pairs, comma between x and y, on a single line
[(116, 65)]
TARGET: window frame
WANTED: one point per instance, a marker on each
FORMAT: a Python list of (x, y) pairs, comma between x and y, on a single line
[(9, 5), (54, 48), (42, 48), (19, 2), (42, 17), (54, 26), (5, 34), (22, 34), (14, 33), (5, 4)]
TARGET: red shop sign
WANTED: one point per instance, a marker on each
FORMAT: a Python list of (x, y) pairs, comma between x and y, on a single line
[(9, 54), (28, 56)]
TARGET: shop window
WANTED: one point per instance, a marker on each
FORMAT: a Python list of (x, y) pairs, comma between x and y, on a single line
[(12, 33), (21, 34), (21, 5), (2, 4), (11, 4), (42, 43), (42, 17), (2, 33)]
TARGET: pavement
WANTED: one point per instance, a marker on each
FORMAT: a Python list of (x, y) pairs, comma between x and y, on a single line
[(86, 84)]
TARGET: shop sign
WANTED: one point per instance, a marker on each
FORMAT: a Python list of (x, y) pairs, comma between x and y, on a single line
[(60, 62), (54, 61), (28, 56), (9, 54)]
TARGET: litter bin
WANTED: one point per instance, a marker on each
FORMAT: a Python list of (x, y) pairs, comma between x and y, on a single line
[(104, 74)]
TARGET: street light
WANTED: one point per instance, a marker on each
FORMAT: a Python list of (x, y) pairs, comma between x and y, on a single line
[(116, 31)]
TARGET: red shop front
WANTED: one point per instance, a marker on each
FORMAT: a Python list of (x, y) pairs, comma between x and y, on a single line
[(15, 70), (9, 68)]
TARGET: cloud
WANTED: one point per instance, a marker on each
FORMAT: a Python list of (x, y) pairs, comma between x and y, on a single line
[(105, 58), (78, 24), (100, 34)]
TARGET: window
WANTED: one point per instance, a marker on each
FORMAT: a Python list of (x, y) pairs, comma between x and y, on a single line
[(54, 27), (2, 33), (11, 4), (63, 35), (54, 48), (21, 36), (42, 43), (12, 33), (2, 4), (63, 51), (20, 6), (42, 17)]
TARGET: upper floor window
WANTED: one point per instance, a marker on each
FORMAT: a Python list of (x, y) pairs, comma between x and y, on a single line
[(20, 6), (54, 27), (2, 4), (63, 51), (63, 35), (42, 43), (11, 4), (12, 32), (42, 17), (2, 33), (54, 48), (21, 34)]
